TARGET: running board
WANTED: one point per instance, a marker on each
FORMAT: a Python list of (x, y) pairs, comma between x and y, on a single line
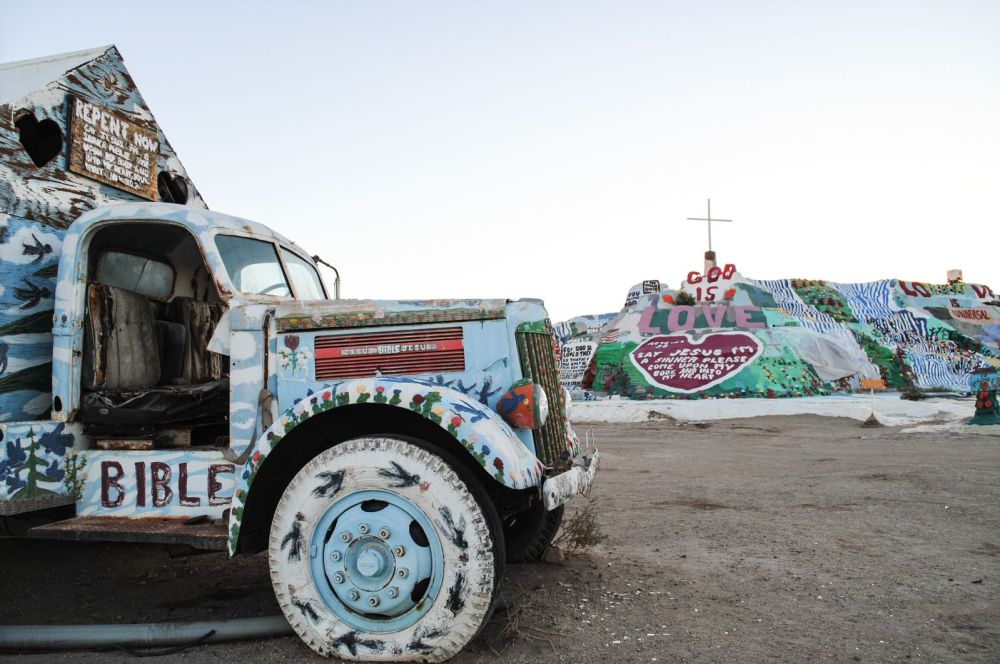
[(197, 533)]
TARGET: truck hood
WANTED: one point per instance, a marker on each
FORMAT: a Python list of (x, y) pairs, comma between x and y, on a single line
[(325, 314)]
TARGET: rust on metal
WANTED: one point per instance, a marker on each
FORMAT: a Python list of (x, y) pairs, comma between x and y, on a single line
[(124, 443), (365, 314), (211, 536), (11, 507)]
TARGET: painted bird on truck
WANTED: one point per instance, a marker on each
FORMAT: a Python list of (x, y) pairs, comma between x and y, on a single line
[(31, 295), (509, 403), (39, 250)]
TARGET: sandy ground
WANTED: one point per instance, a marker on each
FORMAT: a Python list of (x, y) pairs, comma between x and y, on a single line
[(790, 539)]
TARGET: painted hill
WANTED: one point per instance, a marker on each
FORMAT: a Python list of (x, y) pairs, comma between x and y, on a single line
[(741, 337)]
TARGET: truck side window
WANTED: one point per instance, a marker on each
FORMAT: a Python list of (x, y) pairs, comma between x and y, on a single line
[(304, 277), (135, 273), (253, 265)]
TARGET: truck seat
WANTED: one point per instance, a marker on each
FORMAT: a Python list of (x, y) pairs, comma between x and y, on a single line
[(120, 348), (128, 354), (198, 320)]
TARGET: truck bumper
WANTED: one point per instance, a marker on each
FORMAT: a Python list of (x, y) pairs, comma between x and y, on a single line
[(574, 482)]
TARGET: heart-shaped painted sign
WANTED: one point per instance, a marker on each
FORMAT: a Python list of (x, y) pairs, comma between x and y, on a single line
[(680, 363)]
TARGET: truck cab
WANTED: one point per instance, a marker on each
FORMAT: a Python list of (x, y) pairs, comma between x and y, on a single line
[(390, 456)]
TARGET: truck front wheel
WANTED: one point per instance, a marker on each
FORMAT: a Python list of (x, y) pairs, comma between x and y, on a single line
[(530, 532), (382, 550)]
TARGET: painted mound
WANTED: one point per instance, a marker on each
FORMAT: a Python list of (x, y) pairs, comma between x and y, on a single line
[(740, 337)]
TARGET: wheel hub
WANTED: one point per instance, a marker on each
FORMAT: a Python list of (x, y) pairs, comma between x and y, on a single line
[(377, 560)]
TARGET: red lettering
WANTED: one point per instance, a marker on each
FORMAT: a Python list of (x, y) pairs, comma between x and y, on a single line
[(728, 271), (160, 489), (694, 278), (108, 481), (713, 274), (710, 293), (982, 292), (915, 289), (182, 488), (214, 486), (140, 483)]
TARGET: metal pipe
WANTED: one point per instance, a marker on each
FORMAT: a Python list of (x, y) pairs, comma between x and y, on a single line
[(145, 635), (336, 279)]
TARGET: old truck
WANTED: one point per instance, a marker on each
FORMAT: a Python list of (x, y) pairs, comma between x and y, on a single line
[(390, 456)]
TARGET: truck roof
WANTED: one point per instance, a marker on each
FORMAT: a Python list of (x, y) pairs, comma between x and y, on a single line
[(197, 220)]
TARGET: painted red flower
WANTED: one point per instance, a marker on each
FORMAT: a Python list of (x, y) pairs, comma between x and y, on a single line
[(730, 294), (417, 399), (456, 421), (326, 396), (424, 486), (498, 463), (669, 299), (380, 389), (256, 456), (292, 342)]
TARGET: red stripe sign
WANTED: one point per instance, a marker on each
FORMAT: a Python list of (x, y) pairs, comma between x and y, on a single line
[(389, 349)]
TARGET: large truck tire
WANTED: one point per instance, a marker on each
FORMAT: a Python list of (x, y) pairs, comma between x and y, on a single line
[(530, 532), (383, 549)]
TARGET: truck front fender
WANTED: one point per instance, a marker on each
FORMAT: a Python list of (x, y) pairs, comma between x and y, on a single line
[(477, 429)]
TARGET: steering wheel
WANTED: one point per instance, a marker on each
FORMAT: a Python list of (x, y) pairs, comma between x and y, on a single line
[(265, 291)]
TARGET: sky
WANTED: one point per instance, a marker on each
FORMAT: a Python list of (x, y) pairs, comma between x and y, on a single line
[(555, 150)]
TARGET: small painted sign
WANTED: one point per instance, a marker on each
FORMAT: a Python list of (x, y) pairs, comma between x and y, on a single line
[(112, 149), (574, 358), (681, 363), (167, 483)]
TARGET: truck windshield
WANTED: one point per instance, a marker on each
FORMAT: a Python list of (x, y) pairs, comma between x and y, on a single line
[(253, 266), (305, 279)]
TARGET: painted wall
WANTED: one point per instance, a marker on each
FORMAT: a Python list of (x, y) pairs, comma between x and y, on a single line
[(38, 203), (792, 337)]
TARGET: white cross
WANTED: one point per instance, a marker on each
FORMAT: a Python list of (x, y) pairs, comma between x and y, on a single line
[(709, 220)]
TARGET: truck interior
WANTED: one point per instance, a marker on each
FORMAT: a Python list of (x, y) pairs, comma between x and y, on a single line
[(151, 308)]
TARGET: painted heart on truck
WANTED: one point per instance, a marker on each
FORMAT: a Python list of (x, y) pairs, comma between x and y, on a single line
[(683, 363)]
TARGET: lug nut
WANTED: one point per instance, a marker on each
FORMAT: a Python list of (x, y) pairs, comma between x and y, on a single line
[(403, 572), (384, 533), (373, 600), (354, 595), (400, 550), (335, 556), (393, 592), (345, 536), (363, 529), (338, 577)]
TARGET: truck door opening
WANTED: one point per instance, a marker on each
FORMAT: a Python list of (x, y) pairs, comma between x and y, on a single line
[(151, 309)]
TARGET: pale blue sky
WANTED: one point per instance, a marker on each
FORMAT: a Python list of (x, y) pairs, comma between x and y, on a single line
[(554, 149)]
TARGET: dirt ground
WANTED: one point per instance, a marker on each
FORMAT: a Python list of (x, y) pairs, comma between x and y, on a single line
[(767, 539)]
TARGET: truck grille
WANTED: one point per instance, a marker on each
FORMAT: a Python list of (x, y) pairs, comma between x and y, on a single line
[(538, 362), (437, 350)]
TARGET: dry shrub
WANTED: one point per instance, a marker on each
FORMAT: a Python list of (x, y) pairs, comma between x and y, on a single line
[(581, 531)]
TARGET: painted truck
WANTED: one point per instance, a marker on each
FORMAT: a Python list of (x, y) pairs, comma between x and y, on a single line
[(390, 456)]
